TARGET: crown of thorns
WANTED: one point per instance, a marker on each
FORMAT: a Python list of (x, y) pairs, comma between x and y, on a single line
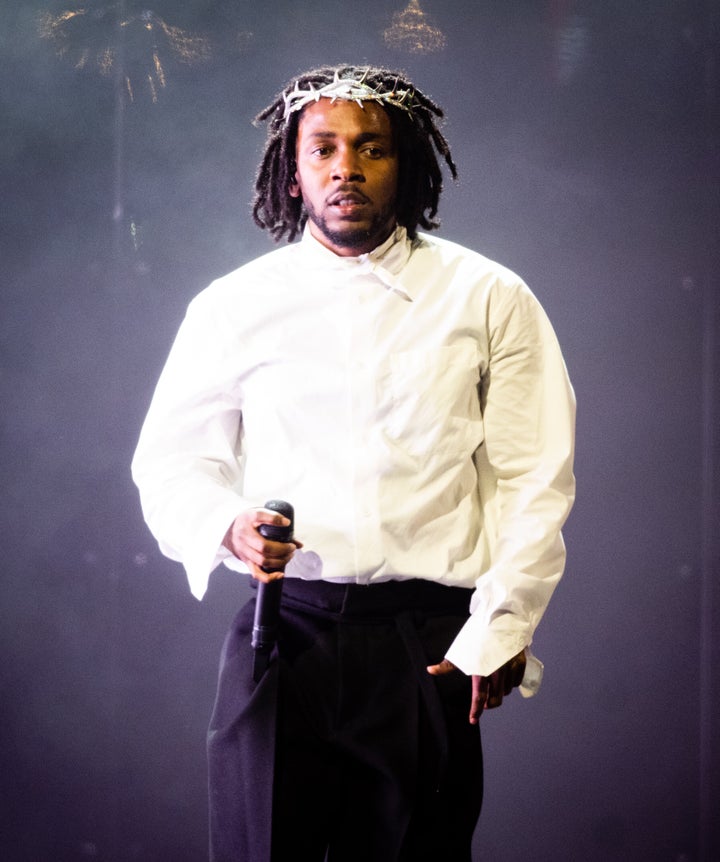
[(351, 90)]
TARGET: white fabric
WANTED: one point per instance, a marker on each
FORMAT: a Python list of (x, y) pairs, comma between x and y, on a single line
[(411, 403)]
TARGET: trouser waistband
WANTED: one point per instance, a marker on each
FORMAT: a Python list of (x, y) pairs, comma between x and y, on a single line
[(380, 600)]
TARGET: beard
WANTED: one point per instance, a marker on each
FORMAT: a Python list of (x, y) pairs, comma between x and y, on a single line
[(362, 239)]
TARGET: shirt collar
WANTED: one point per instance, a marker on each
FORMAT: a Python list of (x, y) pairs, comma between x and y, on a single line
[(386, 262)]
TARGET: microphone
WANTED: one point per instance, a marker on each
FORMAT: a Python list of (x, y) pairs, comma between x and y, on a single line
[(267, 605)]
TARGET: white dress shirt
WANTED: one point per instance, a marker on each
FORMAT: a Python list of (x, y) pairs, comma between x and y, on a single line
[(411, 403)]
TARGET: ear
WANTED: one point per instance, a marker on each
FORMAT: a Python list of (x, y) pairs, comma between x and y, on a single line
[(294, 188)]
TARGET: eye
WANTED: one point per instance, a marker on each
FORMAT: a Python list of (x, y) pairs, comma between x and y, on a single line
[(372, 151), (321, 151)]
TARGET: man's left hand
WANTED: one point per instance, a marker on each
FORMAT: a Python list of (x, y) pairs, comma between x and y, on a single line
[(488, 691)]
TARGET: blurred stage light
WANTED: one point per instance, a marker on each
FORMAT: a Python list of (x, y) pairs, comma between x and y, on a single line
[(412, 31), (137, 45)]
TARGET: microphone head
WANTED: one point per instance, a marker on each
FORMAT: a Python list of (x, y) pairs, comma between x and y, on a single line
[(282, 507)]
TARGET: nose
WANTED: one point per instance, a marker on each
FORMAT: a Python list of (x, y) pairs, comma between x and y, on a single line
[(346, 165)]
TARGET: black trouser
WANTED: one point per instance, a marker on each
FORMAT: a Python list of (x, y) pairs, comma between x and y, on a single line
[(374, 759)]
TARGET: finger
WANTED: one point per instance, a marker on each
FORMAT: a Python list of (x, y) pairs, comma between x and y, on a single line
[(274, 555), (483, 689), (520, 665), (444, 667), (267, 516), (475, 700), (261, 575), (504, 680), (508, 675), (243, 536), (249, 546), (269, 553), (494, 691), (276, 552)]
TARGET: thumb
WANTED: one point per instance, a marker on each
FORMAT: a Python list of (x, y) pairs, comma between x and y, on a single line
[(444, 667)]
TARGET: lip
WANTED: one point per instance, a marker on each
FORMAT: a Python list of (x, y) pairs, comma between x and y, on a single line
[(348, 199)]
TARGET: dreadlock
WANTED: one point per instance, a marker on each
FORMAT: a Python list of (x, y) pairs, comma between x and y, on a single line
[(417, 138)]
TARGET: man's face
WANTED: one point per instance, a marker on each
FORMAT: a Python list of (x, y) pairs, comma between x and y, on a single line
[(347, 174)]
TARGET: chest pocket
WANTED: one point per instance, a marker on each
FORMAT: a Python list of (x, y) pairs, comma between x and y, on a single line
[(435, 401)]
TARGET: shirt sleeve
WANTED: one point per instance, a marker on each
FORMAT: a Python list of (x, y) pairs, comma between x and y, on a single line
[(527, 487), (188, 462)]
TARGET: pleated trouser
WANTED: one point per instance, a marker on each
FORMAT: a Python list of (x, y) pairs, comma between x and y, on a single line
[(347, 749)]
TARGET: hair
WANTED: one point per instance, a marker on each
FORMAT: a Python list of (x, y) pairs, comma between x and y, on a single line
[(417, 138)]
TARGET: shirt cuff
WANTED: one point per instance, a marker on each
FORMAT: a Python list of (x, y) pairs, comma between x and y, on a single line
[(482, 652), (206, 551), (481, 648)]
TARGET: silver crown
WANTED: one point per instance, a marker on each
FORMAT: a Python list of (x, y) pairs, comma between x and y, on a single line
[(350, 90)]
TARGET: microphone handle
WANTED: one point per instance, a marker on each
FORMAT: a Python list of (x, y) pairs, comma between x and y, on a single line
[(267, 604), (267, 612)]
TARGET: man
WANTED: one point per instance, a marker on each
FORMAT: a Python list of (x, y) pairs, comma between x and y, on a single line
[(409, 398)]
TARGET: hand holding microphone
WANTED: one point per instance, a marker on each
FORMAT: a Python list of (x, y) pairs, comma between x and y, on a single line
[(267, 606), (246, 541)]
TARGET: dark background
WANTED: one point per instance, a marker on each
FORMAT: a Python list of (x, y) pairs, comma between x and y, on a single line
[(586, 137)]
